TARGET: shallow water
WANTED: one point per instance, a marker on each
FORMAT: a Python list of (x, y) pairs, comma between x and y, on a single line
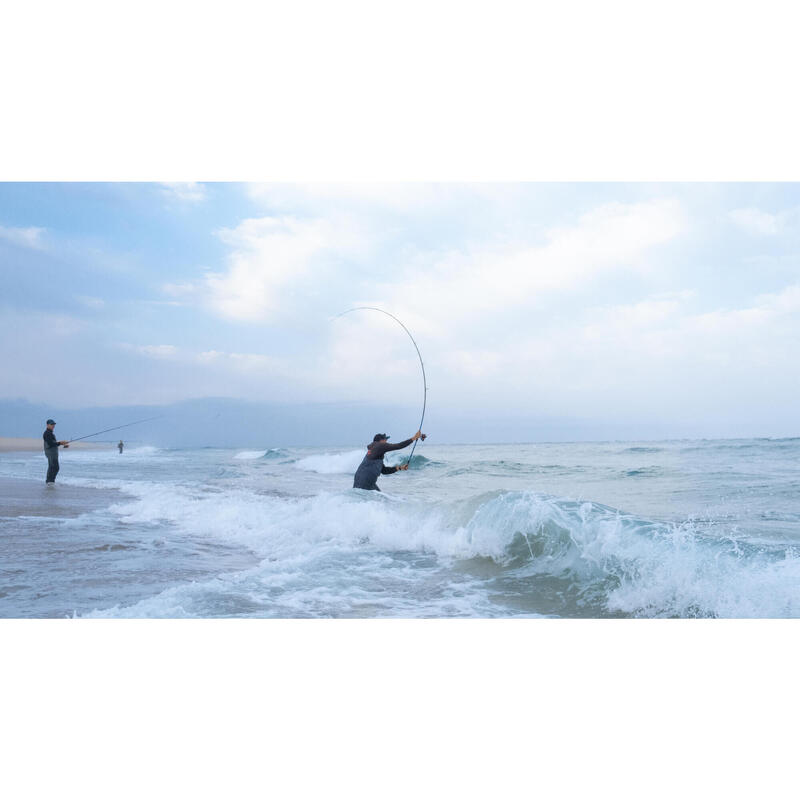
[(652, 529)]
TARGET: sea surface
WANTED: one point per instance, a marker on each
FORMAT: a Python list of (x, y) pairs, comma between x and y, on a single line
[(613, 529)]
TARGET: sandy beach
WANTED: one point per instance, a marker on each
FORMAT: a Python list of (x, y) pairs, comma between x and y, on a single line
[(11, 444)]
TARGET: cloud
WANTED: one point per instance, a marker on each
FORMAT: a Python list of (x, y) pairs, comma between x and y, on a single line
[(157, 351), (472, 308), (755, 221), (373, 197), (476, 363), (572, 352), (244, 362), (270, 255), (571, 318), (663, 330), (24, 237), (43, 354), (620, 326), (657, 356), (786, 301), (185, 192), (759, 328), (274, 256), (90, 302), (495, 279), (213, 358)]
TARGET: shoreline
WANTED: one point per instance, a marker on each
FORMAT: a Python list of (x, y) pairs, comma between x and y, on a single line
[(21, 444), (25, 497)]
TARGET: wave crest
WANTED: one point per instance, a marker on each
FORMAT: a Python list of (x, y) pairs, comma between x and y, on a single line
[(614, 562)]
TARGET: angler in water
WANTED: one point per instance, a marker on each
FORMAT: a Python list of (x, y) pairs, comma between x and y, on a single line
[(372, 466), (51, 446)]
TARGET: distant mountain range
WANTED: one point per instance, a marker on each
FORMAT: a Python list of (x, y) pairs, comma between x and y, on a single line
[(224, 422)]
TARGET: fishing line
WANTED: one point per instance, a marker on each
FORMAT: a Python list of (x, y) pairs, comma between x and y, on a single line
[(127, 425), (419, 355)]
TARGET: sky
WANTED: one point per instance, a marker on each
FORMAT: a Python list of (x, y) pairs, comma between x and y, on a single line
[(674, 306)]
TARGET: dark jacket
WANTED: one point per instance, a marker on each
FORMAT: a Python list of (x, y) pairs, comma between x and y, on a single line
[(372, 466), (50, 441)]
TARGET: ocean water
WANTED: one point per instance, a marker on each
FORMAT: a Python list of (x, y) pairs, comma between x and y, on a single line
[(614, 529)]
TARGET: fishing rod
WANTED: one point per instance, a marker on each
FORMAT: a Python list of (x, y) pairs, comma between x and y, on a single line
[(127, 425), (421, 363)]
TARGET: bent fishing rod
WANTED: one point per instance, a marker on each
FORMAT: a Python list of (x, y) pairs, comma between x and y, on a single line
[(421, 363), (127, 425)]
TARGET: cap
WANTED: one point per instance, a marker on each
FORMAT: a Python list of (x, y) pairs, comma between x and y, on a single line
[(378, 436), (51, 422)]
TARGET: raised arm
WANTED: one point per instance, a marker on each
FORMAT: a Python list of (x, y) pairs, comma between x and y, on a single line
[(385, 447), (397, 446)]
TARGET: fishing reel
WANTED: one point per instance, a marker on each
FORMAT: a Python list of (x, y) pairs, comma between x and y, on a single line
[(423, 436)]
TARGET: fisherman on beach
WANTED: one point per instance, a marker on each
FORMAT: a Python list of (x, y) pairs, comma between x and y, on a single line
[(120, 445), (372, 466), (51, 451)]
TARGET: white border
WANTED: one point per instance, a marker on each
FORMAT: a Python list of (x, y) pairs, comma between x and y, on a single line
[(437, 91), (620, 90)]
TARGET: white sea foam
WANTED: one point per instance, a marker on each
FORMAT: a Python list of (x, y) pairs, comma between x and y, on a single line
[(644, 568), (461, 543), (331, 463), (248, 455), (641, 567)]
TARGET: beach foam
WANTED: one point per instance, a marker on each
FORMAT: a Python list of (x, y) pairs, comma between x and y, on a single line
[(441, 542), (640, 567), (331, 463)]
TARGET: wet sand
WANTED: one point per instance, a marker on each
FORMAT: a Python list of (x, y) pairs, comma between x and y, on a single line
[(62, 554), (10, 444), (27, 498)]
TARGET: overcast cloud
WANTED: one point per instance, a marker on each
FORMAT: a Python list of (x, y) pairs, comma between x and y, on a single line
[(672, 303)]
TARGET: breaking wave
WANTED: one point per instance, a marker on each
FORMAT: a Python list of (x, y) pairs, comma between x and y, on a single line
[(252, 455), (643, 450), (248, 455), (610, 562), (331, 463)]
